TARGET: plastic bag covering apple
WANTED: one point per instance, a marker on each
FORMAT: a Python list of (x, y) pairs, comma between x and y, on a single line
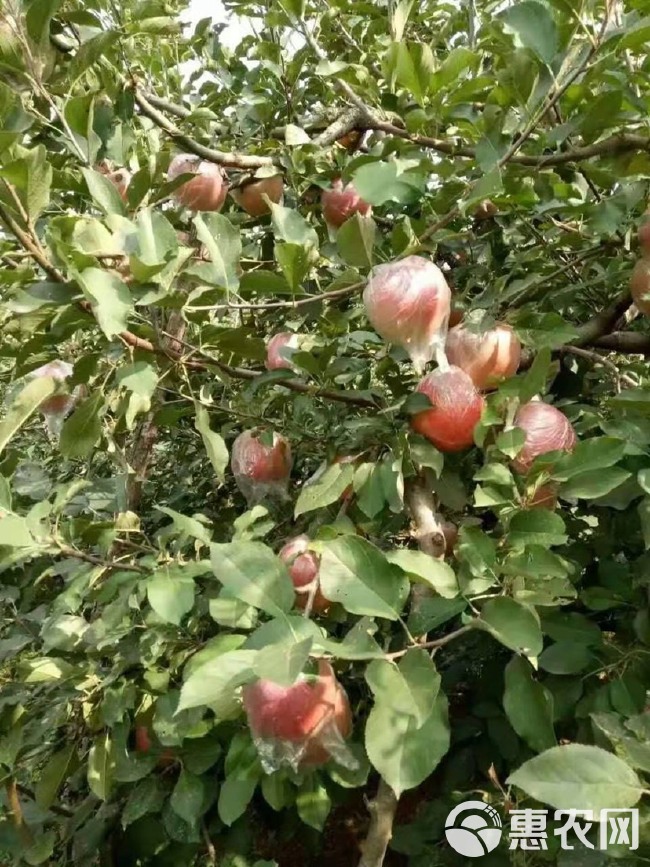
[(279, 350), (342, 202), (261, 470), (54, 409), (546, 429), (207, 191), (408, 303), (304, 567), (488, 357), (303, 725), (455, 411)]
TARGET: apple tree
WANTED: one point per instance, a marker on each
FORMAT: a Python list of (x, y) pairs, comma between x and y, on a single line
[(325, 427)]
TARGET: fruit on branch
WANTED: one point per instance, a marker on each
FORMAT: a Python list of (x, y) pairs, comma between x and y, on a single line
[(120, 178), (456, 316), (279, 350), (260, 469), (488, 357), (58, 404), (644, 234), (250, 195), (485, 210), (351, 140), (307, 717), (544, 497), (143, 744), (455, 412), (205, 192), (303, 566), (342, 202), (546, 430), (142, 739), (408, 303), (640, 286)]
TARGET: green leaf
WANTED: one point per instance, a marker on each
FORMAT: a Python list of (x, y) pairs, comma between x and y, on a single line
[(185, 526), (403, 752), (381, 182), (399, 19), (234, 796), (26, 402), (529, 705), (215, 446), (566, 657), (103, 192), (313, 803), (534, 28), (282, 663), (292, 227), (513, 624), (327, 489), (171, 597), (83, 428), (409, 688), (578, 774), (15, 532), (101, 765), (31, 178), (478, 551), (250, 571), (356, 574), (536, 527), (214, 683), (510, 442), (355, 241), (295, 261), (591, 454), (425, 568), (147, 797), (187, 798), (412, 66), (223, 243), (593, 484), (53, 775), (110, 299)]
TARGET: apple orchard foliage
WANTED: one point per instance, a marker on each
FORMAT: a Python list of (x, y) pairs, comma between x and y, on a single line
[(325, 433)]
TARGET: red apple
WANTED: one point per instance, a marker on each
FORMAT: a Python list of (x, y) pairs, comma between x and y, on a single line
[(546, 430), (279, 350), (300, 714), (456, 409), (304, 567), (342, 202), (488, 357), (408, 303), (58, 404), (250, 196), (644, 234), (205, 192)]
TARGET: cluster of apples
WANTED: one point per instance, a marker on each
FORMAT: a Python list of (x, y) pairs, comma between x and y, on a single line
[(207, 190)]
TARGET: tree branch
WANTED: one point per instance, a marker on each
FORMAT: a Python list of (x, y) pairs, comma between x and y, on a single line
[(382, 814), (230, 160), (631, 342), (603, 322)]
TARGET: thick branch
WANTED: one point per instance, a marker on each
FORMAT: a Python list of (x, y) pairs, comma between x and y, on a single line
[(230, 160), (611, 146), (625, 342), (382, 814), (427, 521), (603, 322)]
